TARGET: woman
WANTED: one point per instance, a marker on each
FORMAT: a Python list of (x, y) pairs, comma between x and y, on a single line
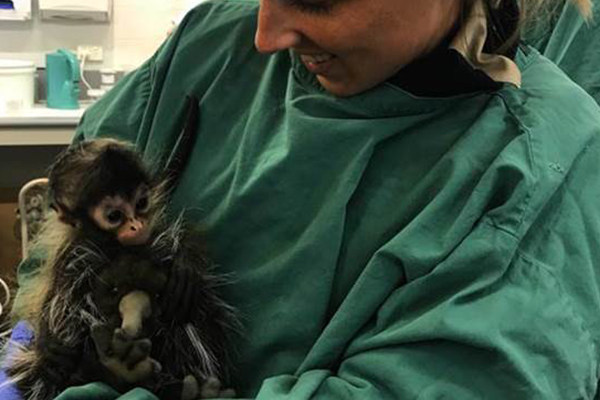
[(407, 197)]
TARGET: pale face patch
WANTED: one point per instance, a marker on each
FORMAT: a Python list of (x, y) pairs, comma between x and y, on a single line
[(112, 212), (128, 220)]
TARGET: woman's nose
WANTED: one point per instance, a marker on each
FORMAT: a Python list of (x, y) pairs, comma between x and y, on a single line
[(275, 29)]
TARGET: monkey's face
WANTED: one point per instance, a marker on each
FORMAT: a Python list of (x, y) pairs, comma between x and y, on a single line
[(127, 218)]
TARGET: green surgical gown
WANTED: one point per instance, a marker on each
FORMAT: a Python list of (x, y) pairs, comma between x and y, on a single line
[(382, 246), (573, 44)]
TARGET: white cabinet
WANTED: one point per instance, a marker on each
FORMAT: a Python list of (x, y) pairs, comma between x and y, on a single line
[(15, 10)]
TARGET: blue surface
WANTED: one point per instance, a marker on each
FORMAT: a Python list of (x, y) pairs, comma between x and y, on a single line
[(21, 334)]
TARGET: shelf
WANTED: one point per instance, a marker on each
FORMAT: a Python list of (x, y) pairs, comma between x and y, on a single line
[(12, 15), (36, 136), (42, 116)]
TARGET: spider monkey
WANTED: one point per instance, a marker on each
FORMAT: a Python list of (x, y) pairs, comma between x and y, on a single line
[(124, 295)]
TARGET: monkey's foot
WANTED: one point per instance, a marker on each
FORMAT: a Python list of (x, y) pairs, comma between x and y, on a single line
[(212, 388), (190, 389)]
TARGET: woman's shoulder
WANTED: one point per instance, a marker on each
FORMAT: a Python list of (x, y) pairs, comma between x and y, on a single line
[(559, 118), (558, 137), (547, 96)]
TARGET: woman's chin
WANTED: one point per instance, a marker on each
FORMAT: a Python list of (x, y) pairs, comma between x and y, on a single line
[(342, 88)]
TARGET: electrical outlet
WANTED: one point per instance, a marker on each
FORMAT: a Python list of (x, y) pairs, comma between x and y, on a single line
[(92, 53)]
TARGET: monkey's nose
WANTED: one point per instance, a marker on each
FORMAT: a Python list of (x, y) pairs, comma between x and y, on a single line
[(135, 225), (134, 232)]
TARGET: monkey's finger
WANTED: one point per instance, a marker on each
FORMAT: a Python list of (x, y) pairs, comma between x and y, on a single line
[(121, 343), (139, 351), (190, 388), (210, 388), (102, 337)]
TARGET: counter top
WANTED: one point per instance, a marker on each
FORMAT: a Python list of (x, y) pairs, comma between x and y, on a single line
[(40, 115), (43, 135)]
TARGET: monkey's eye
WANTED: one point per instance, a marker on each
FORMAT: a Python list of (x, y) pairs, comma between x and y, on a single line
[(114, 217), (142, 204)]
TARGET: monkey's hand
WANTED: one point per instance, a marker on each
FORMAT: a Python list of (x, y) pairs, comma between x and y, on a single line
[(58, 361), (127, 359)]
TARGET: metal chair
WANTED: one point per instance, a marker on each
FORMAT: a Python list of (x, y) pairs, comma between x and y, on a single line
[(33, 207)]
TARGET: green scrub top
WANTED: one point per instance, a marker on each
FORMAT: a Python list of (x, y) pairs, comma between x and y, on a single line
[(383, 246), (573, 44)]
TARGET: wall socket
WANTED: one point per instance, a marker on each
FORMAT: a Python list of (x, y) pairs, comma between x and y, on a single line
[(92, 53)]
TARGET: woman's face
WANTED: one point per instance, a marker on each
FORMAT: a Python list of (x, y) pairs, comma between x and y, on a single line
[(353, 45)]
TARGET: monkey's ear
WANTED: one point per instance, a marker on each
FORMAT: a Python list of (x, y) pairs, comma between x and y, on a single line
[(64, 214)]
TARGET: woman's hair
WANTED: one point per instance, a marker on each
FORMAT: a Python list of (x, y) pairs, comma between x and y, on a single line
[(507, 19), (533, 9)]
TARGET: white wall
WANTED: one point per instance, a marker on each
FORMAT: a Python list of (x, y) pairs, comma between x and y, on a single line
[(137, 28)]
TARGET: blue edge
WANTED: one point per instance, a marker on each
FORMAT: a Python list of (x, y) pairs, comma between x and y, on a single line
[(21, 334)]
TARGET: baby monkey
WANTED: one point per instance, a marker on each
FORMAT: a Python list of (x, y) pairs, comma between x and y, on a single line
[(124, 295)]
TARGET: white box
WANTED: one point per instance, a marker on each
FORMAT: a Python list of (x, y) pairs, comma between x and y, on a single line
[(76, 10), (21, 12), (16, 86)]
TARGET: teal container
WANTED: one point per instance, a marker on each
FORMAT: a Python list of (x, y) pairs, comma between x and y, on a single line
[(62, 80)]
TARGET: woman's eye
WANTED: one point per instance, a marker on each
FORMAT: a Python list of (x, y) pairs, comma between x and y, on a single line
[(312, 6), (114, 217), (142, 204)]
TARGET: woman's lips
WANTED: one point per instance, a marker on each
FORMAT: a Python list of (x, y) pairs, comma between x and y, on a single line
[(317, 64)]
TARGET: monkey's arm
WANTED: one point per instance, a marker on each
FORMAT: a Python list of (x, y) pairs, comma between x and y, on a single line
[(179, 299), (192, 286)]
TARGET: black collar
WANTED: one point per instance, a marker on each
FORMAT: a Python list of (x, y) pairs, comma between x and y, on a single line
[(445, 72)]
